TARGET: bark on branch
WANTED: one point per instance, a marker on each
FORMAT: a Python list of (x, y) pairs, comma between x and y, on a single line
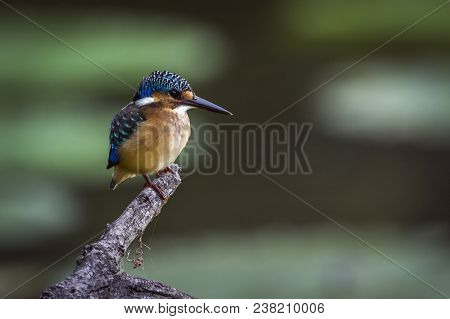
[(97, 273)]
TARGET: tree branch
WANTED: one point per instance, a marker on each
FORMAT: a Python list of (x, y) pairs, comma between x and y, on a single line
[(97, 273)]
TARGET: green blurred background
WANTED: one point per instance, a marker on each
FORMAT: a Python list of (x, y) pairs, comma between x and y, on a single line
[(379, 149)]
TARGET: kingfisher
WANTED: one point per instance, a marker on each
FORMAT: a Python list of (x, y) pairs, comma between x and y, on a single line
[(149, 133)]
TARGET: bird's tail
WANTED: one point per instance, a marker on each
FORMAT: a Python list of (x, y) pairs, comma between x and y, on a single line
[(113, 184), (118, 177)]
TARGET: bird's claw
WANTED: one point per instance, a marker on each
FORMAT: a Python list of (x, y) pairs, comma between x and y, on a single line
[(158, 191), (167, 169)]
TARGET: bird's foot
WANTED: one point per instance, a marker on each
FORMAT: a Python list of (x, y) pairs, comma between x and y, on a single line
[(156, 188), (165, 170)]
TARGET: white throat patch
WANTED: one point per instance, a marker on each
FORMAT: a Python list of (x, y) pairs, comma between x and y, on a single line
[(182, 109), (144, 101)]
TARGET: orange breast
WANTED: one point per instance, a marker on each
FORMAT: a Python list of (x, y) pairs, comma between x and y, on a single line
[(156, 143)]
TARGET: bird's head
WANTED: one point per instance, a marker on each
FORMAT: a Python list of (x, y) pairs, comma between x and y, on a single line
[(172, 90)]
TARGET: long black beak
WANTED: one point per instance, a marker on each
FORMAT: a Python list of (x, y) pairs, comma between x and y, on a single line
[(204, 104)]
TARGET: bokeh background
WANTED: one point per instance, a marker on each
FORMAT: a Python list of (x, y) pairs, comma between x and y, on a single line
[(379, 148)]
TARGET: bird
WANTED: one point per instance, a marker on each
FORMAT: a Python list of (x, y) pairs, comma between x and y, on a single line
[(149, 133)]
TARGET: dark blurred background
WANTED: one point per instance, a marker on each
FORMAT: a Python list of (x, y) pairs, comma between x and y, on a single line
[(379, 148)]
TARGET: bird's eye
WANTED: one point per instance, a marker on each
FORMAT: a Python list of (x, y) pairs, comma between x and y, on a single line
[(175, 94)]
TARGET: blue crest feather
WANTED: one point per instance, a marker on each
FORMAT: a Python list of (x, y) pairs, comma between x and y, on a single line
[(161, 81)]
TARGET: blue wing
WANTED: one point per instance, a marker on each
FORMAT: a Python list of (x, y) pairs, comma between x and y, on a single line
[(123, 125)]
